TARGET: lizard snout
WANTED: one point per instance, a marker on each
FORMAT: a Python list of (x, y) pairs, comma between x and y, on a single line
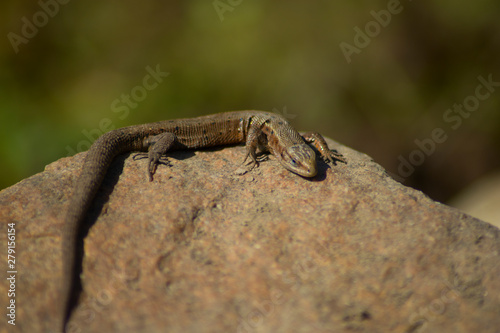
[(301, 160)]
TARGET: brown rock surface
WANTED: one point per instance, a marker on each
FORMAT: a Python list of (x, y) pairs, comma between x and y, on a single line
[(203, 250)]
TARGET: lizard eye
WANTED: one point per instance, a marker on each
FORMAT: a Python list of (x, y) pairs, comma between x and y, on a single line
[(294, 161)]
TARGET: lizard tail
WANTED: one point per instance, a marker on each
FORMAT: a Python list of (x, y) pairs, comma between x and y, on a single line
[(95, 166)]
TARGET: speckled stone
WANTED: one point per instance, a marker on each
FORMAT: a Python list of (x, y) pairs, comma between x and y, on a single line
[(201, 249)]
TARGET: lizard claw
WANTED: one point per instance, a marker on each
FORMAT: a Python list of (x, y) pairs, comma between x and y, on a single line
[(152, 168), (262, 157), (140, 156), (246, 167), (241, 171), (331, 156), (154, 160)]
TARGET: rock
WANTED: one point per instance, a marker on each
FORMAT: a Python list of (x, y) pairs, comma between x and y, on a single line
[(200, 249)]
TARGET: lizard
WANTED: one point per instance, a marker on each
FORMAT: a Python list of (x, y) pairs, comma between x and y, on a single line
[(260, 132)]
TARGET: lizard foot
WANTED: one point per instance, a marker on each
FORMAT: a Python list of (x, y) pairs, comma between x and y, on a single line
[(154, 160), (262, 157), (153, 164), (243, 169), (332, 156), (246, 167), (142, 155)]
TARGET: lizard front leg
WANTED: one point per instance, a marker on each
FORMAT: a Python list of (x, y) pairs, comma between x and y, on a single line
[(251, 144), (320, 144), (158, 146)]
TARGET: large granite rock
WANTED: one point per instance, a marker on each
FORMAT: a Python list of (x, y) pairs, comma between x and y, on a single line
[(200, 249)]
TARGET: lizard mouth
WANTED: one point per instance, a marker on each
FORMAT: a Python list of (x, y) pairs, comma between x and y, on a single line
[(300, 159)]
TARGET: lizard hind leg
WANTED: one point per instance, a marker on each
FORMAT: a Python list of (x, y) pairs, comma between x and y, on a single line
[(158, 146)]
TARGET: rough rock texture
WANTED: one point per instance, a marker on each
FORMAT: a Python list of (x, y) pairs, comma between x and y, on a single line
[(203, 250)]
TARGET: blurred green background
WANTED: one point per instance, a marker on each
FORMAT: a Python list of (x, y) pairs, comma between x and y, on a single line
[(65, 79)]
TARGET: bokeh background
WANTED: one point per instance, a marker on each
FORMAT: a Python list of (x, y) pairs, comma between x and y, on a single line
[(67, 80)]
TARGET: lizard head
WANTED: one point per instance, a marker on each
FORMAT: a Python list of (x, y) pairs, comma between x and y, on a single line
[(300, 159)]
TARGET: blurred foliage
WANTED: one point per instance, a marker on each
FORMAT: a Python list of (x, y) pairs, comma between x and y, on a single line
[(267, 55)]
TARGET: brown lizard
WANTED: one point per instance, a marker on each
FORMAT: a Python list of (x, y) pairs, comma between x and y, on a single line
[(263, 131)]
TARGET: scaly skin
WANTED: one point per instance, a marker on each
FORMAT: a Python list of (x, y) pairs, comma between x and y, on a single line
[(263, 131)]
